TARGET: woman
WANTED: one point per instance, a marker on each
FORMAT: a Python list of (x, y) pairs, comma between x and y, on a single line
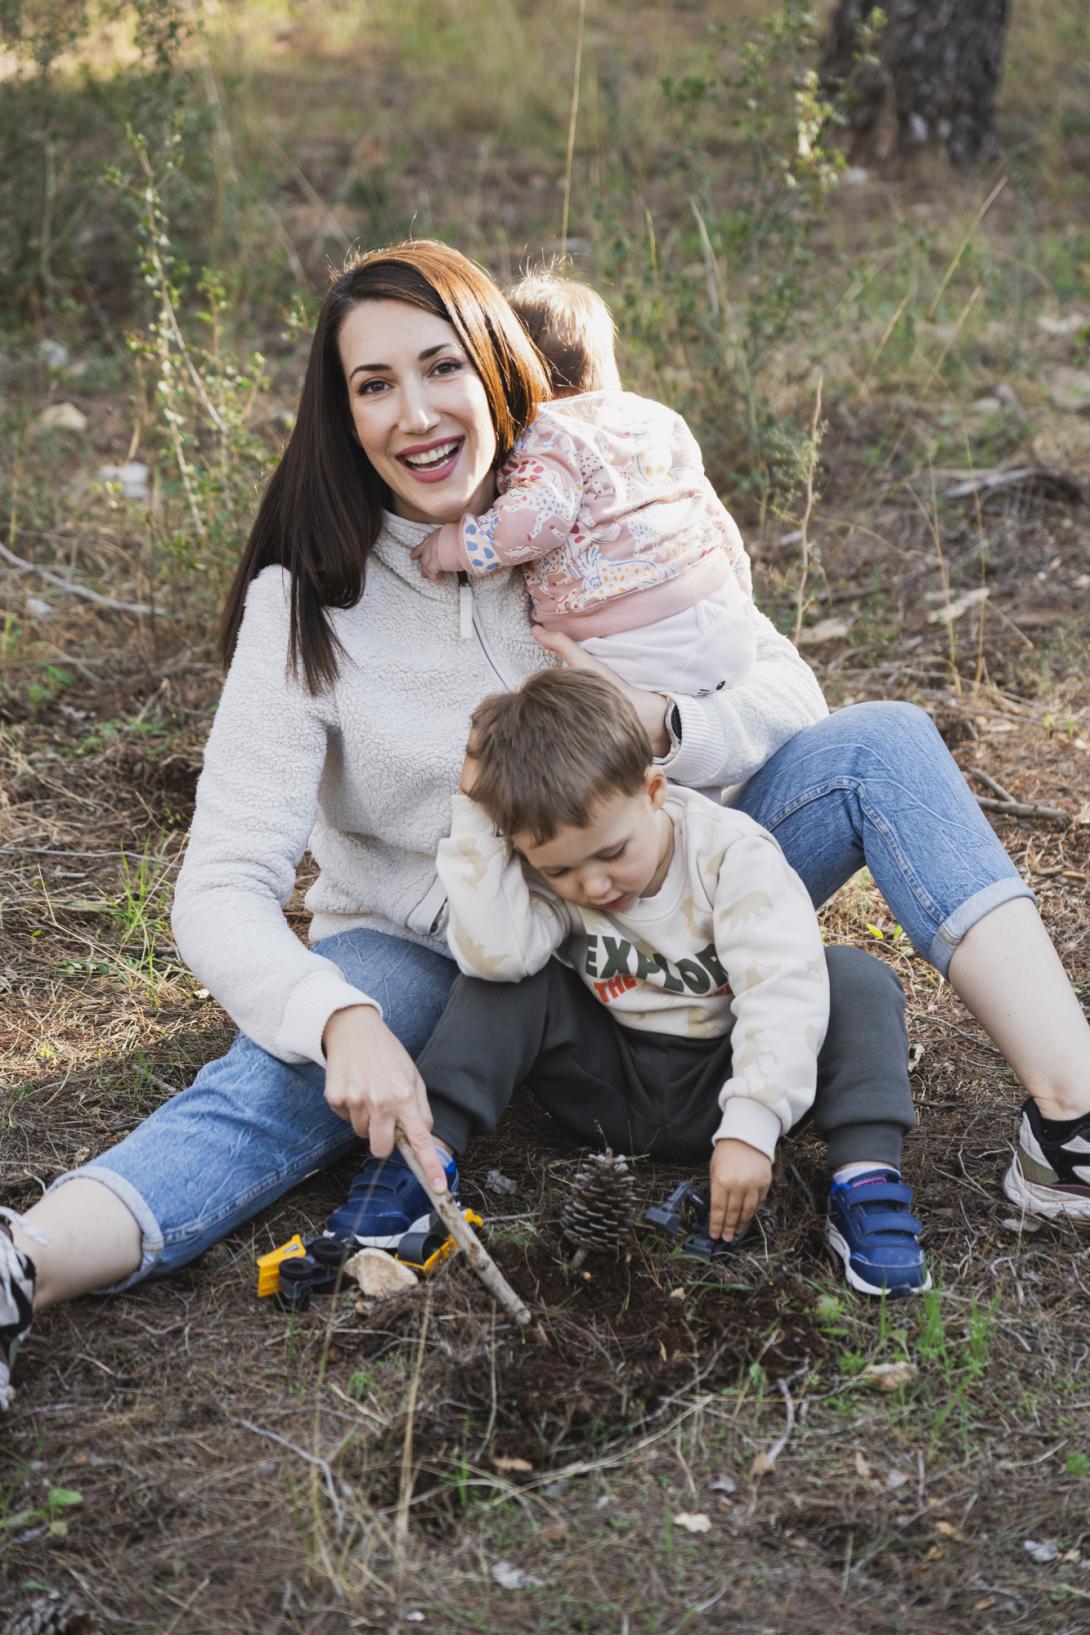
[(342, 723)]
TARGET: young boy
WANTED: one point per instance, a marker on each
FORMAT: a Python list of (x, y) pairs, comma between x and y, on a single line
[(688, 999), (626, 546)]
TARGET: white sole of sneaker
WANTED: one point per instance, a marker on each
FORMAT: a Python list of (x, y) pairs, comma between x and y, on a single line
[(1042, 1201), (394, 1239), (838, 1245)]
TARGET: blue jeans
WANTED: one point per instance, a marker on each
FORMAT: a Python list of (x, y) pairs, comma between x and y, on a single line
[(873, 784)]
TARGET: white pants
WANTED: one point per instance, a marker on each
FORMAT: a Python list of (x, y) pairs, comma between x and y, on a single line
[(693, 653)]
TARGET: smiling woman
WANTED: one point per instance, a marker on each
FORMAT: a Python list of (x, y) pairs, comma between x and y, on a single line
[(414, 346), (422, 417)]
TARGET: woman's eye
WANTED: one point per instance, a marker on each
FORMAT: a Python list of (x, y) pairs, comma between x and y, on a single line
[(447, 366), (371, 388), (611, 857)]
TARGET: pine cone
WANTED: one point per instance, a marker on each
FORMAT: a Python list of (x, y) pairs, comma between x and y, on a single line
[(600, 1206), (48, 1616)]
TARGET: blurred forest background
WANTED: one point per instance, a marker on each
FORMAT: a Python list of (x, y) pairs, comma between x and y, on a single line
[(881, 338)]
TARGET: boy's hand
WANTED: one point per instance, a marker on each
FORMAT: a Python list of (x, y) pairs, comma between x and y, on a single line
[(426, 556), (470, 765), (740, 1178)]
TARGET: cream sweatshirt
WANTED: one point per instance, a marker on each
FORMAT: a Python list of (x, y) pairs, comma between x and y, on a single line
[(728, 944), (363, 775)]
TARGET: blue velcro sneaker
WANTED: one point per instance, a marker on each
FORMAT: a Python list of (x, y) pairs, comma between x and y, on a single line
[(385, 1201), (870, 1227)]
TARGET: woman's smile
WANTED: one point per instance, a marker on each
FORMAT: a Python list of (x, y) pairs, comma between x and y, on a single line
[(433, 462), (419, 410)]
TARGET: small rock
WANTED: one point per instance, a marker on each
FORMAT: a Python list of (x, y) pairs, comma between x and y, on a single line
[(1069, 325), (1069, 388), (38, 609), (133, 479), (54, 352), (510, 1577), (60, 417), (987, 405), (959, 606), (1027, 1224), (379, 1275), (494, 1181), (1041, 1550), (890, 1376), (896, 1479), (826, 630), (693, 1522), (724, 1484)]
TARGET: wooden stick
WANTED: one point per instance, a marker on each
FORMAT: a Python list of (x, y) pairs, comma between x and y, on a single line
[(1017, 808), (468, 1241), (991, 783)]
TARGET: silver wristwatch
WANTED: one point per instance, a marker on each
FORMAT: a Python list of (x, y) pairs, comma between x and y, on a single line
[(672, 722)]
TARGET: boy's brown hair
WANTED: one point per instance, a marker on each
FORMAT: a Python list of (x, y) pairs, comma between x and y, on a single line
[(551, 751), (572, 328)]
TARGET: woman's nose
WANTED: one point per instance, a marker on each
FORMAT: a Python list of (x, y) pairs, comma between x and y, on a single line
[(417, 414)]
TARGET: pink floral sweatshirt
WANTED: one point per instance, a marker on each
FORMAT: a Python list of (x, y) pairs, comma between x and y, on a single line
[(604, 502)]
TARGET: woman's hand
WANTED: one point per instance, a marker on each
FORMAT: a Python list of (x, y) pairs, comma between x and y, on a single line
[(426, 556), (650, 707), (371, 1082)]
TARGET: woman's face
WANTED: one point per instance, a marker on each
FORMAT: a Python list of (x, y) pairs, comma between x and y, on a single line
[(419, 410)]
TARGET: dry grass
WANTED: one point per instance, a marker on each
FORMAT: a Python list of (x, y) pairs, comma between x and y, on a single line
[(239, 1470)]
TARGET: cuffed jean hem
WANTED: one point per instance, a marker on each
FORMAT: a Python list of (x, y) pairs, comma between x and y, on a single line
[(863, 1143), (152, 1242), (974, 908)]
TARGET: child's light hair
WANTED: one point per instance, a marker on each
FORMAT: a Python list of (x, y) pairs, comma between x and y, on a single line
[(549, 752), (572, 328)]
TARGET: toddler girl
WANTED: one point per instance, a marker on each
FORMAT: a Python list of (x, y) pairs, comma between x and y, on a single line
[(604, 501)]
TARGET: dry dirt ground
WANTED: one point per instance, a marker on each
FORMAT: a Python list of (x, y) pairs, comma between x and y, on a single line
[(185, 1458)]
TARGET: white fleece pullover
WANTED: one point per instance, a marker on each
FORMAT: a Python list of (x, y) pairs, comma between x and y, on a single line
[(728, 944), (364, 775)]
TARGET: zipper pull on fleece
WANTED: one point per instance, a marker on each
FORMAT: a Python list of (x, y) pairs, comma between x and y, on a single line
[(465, 609)]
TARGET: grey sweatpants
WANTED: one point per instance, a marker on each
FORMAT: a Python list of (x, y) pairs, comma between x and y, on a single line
[(655, 1093)]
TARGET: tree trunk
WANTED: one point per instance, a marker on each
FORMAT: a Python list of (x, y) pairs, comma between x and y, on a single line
[(936, 77)]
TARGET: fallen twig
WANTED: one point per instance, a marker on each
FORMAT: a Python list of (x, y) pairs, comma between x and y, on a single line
[(991, 783), (311, 1459), (1007, 803), (467, 1240), (1018, 808), (76, 589), (763, 1462)]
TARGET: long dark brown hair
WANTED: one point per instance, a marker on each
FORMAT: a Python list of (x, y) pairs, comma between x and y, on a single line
[(322, 510)]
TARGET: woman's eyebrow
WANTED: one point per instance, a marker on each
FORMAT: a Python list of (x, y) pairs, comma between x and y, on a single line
[(379, 368)]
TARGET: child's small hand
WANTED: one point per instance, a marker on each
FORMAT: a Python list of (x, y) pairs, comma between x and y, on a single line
[(740, 1178), (471, 764), (426, 556)]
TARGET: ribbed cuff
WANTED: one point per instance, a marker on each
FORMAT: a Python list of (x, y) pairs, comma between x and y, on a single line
[(698, 760), (752, 1122), (309, 1008), (468, 819)]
